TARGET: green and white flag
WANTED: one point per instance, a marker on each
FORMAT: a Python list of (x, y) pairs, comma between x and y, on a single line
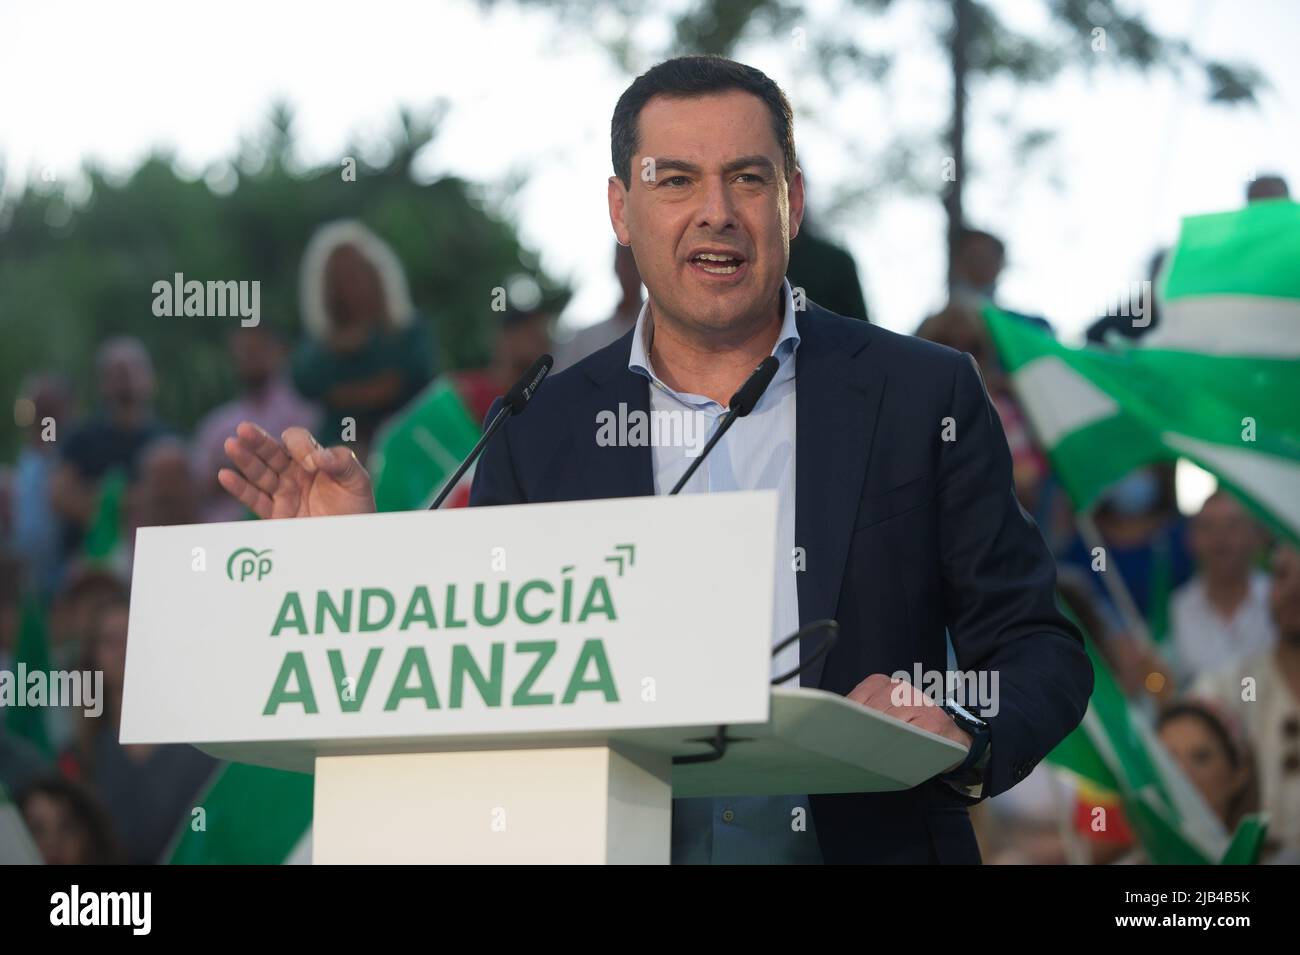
[(248, 815), (1216, 382), (1116, 750), (422, 446)]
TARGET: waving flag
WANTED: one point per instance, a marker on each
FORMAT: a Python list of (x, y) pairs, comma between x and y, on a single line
[(251, 816), (1216, 382), (1120, 763), (425, 444)]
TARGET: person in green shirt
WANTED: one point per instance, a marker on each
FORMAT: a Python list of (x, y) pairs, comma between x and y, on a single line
[(369, 351)]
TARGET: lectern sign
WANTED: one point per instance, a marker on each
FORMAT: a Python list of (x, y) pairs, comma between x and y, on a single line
[(509, 620)]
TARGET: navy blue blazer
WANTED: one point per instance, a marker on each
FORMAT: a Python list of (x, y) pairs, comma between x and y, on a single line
[(906, 536)]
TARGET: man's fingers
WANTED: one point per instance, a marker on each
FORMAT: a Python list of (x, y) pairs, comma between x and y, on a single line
[(341, 464), (267, 448), (245, 493), (903, 701), (873, 691), (908, 703), (302, 447), (253, 468)]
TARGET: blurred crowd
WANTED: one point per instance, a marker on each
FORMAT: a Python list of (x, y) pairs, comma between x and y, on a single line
[(1213, 599), (1202, 636)]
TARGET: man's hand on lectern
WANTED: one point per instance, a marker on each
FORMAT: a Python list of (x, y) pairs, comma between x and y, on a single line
[(294, 477), (903, 701)]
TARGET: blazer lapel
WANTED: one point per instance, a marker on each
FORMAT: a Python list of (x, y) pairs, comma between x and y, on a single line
[(838, 400), (617, 470)]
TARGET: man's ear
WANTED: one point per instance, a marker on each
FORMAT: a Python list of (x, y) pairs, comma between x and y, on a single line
[(796, 201), (617, 196)]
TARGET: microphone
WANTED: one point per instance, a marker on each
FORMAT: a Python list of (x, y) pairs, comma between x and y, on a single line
[(741, 404), (517, 398), (832, 629), (514, 403)]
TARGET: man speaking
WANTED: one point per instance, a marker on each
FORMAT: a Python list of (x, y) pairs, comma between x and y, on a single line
[(896, 513)]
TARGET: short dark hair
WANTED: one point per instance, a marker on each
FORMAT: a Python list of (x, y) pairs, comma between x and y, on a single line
[(967, 235), (687, 76), (1267, 187), (86, 808)]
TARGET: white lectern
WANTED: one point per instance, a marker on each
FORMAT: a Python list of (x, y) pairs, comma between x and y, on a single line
[(496, 684)]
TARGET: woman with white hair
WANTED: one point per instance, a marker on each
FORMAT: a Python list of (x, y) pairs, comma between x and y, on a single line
[(369, 352)]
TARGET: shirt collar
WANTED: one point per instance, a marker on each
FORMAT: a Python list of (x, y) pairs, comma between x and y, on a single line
[(787, 341)]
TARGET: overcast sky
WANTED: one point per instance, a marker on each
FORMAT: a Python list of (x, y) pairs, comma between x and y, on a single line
[(1134, 154)]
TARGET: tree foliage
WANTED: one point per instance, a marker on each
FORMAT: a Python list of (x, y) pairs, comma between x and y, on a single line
[(78, 261)]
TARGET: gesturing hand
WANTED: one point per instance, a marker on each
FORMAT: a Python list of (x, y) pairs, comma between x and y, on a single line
[(296, 478)]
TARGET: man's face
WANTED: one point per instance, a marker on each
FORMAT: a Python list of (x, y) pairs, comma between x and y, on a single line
[(980, 262), (60, 836), (1224, 539), (126, 378), (354, 296), (256, 357), (519, 345), (165, 494), (716, 186)]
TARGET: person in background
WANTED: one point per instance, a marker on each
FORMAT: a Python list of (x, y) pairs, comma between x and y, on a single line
[(826, 272), (147, 789), (369, 352), (1221, 615), (960, 327), (1263, 692), (1213, 757), (449, 415), (20, 760), (1125, 323), (163, 492), (68, 824), (523, 336), (266, 397), (1216, 761), (595, 337), (1030, 823), (1145, 540), (110, 439), (85, 585), (36, 532), (1267, 187), (977, 263)]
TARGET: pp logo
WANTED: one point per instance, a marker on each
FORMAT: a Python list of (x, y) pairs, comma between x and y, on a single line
[(248, 563)]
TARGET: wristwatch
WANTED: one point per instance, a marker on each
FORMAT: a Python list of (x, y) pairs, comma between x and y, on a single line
[(968, 778)]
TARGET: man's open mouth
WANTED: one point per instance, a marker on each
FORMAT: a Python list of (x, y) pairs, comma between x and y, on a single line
[(717, 263)]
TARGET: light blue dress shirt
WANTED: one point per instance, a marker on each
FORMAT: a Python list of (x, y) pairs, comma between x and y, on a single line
[(757, 453)]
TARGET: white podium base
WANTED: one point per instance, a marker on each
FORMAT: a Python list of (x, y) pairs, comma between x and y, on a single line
[(587, 804)]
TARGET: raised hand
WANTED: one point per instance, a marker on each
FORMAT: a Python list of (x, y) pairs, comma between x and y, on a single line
[(294, 477)]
